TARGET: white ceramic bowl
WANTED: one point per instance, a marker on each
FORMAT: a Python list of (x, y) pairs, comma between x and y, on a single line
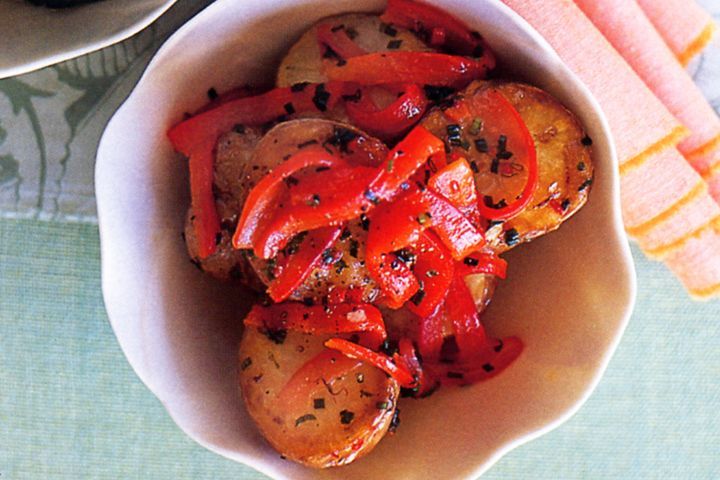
[(568, 296), (35, 37)]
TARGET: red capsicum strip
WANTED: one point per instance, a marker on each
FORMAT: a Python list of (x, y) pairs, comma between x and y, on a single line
[(197, 136), (434, 269), (410, 67), (327, 365), (424, 385), (393, 120), (485, 263), (523, 147), (202, 200), (455, 230), (299, 266), (395, 367), (456, 183), (411, 153), (338, 40), (495, 358), (261, 200), (318, 319), (400, 224), (460, 308), (443, 28)]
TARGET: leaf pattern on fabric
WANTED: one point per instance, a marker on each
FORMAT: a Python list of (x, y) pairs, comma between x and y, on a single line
[(21, 97)]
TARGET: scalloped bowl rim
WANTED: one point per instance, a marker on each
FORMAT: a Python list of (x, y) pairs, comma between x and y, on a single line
[(106, 210)]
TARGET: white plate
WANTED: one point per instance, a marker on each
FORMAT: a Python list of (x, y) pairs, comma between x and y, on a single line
[(35, 37), (568, 296)]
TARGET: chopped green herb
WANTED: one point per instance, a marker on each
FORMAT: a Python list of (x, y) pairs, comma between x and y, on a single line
[(299, 87), (321, 97), (481, 145), (394, 44), (424, 218), (512, 237), (346, 416), (305, 418), (318, 403), (476, 126), (246, 363)]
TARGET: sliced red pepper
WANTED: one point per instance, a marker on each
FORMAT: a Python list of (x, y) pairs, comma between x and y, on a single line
[(455, 230), (197, 136), (424, 386), (506, 122), (317, 188), (298, 266), (410, 67), (494, 359), (431, 334), (323, 367), (350, 203), (393, 120), (392, 227), (411, 153), (202, 201), (260, 204), (256, 110), (427, 19), (434, 270), (483, 262), (333, 210), (400, 224), (337, 39), (319, 319), (396, 369), (460, 308), (456, 183)]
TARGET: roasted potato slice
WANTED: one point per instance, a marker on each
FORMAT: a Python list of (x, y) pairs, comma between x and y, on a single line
[(563, 151), (242, 160), (330, 413), (304, 61), (234, 177), (348, 266)]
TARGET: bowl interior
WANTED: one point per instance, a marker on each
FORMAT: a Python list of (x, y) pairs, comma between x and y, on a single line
[(568, 295)]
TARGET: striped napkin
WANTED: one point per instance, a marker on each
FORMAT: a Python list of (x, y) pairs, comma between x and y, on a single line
[(631, 54)]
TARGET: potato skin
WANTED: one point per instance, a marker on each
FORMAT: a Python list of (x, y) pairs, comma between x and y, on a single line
[(242, 160), (357, 406), (304, 61), (565, 166), (564, 157)]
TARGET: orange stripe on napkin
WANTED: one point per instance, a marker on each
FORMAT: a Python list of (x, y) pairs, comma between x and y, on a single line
[(697, 264), (664, 239), (627, 28), (686, 27), (657, 183), (656, 190)]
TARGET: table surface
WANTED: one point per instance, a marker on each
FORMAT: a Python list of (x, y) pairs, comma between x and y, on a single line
[(71, 406)]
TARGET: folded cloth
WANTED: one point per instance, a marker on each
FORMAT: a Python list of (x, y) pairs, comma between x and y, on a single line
[(684, 25), (658, 186), (629, 30)]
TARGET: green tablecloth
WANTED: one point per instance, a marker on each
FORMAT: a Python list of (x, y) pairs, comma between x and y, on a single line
[(71, 407)]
